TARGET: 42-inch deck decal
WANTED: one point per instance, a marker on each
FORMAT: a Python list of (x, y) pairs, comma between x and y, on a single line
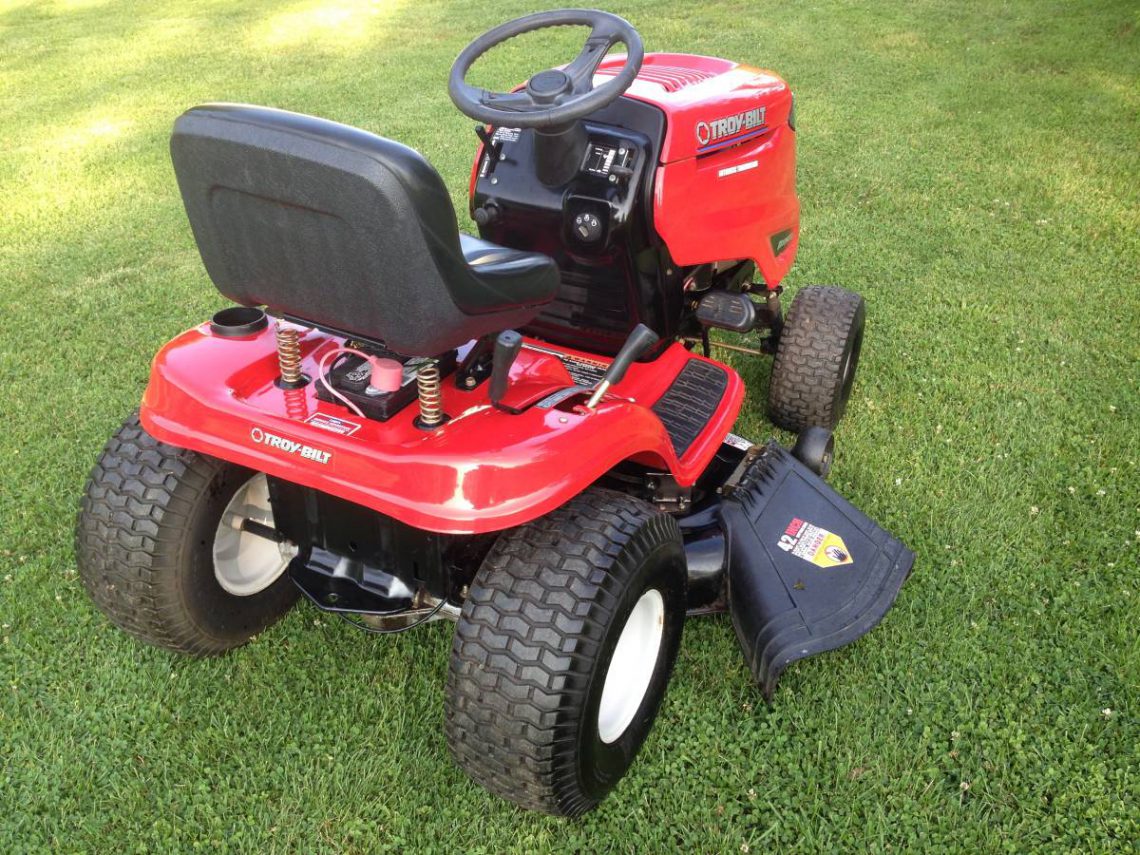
[(816, 545)]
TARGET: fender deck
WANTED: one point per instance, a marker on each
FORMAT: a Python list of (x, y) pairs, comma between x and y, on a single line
[(483, 470)]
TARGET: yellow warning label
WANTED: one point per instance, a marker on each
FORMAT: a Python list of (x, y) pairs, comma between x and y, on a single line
[(821, 547)]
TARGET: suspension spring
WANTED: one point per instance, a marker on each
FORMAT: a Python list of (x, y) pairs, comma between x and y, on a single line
[(431, 402), (289, 356), (296, 403)]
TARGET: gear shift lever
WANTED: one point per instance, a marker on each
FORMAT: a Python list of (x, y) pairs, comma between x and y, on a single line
[(640, 340)]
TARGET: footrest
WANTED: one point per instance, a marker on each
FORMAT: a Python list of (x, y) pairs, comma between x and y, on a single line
[(689, 403), (807, 571)]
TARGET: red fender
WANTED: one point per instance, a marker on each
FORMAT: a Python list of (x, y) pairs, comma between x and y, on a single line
[(483, 470)]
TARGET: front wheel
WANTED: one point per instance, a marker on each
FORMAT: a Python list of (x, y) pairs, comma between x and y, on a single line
[(563, 651), (816, 358), (162, 549)]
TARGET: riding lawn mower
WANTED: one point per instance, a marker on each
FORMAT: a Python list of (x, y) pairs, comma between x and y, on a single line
[(521, 432)]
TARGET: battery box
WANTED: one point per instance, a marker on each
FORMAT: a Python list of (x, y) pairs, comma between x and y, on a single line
[(349, 375)]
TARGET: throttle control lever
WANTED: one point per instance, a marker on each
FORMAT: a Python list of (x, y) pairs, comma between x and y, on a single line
[(492, 146), (640, 340)]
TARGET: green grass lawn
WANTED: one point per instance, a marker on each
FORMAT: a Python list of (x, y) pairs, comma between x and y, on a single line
[(971, 168)]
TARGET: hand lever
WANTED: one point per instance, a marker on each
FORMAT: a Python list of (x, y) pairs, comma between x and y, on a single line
[(640, 340), (492, 146), (507, 347)]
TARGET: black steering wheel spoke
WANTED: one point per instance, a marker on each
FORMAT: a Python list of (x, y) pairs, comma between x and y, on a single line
[(514, 101), (582, 68), (557, 97)]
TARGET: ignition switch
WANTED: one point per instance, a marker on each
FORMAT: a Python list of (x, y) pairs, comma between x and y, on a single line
[(587, 227)]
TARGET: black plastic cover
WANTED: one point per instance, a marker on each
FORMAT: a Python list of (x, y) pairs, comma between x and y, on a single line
[(611, 283), (347, 230), (807, 571)]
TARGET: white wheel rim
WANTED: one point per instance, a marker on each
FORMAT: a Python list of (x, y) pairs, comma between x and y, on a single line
[(631, 669), (246, 564)]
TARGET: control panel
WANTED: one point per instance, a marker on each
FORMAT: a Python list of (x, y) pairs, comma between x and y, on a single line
[(601, 197), (594, 223), (595, 202)]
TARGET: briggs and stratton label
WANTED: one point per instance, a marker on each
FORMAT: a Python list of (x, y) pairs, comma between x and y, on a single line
[(736, 170), (726, 128), (289, 446), (815, 545), (332, 424)]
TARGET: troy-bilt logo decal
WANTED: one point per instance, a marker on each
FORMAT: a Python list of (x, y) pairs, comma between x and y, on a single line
[(289, 446), (719, 130), (814, 544)]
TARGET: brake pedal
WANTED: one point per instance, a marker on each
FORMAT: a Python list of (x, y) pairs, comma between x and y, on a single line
[(727, 311)]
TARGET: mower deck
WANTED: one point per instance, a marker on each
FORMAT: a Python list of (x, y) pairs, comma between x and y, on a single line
[(483, 470), (807, 572)]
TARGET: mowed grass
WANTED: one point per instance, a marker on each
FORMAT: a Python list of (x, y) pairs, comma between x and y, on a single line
[(971, 168)]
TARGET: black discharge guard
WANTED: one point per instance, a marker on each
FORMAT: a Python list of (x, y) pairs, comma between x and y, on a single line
[(807, 571)]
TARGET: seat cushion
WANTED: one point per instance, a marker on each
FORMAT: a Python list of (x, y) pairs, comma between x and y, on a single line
[(507, 274)]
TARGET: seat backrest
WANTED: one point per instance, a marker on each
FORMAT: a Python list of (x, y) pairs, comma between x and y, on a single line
[(333, 225)]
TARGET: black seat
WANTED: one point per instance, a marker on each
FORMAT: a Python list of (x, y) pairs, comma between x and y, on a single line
[(347, 230)]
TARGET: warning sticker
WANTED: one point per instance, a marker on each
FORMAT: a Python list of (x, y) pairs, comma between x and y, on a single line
[(814, 544), (333, 424), (584, 372), (506, 135), (738, 442)]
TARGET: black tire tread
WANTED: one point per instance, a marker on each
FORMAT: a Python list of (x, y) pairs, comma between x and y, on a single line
[(523, 628), (809, 358), (132, 535)]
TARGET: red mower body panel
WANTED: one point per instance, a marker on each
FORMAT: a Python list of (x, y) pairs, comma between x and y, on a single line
[(482, 471), (726, 182)]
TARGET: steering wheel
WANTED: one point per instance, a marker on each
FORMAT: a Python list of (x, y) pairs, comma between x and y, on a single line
[(556, 97)]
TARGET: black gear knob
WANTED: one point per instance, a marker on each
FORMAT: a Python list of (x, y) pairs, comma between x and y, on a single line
[(507, 347), (486, 214), (640, 340)]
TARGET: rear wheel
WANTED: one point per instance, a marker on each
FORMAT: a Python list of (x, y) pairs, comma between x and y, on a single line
[(816, 358), (564, 649), (162, 550)]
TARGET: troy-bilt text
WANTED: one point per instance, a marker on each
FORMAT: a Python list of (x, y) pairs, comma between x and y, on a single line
[(730, 126), (290, 446)]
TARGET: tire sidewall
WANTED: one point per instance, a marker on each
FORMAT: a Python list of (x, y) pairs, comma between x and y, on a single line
[(601, 765), (852, 349), (212, 609)]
